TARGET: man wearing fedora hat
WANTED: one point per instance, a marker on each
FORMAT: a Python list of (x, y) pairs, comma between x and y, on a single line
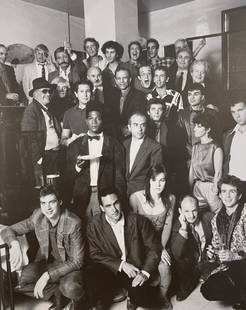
[(37, 118)]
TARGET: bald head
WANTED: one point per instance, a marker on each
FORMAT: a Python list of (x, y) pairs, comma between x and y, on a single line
[(189, 208), (94, 74)]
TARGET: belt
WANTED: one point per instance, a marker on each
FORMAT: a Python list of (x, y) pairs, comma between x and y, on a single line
[(93, 189)]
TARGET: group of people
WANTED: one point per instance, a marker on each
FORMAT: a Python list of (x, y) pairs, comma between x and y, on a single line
[(152, 192)]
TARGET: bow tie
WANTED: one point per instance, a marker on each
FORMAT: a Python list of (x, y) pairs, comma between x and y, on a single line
[(90, 138)]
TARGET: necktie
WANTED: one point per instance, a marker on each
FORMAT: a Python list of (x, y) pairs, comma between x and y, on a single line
[(197, 239), (179, 82), (90, 138), (43, 70)]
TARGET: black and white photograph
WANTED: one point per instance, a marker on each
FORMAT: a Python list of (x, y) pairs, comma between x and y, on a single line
[(122, 154)]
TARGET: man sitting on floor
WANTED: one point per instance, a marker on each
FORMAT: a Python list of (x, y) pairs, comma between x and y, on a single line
[(57, 271), (123, 252), (190, 236)]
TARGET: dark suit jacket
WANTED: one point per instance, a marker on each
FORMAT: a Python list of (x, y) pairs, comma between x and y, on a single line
[(135, 101), (171, 84), (70, 240), (149, 154), (73, 76), (111, 168), (33, 120), (142, 246), (227, 140), (13, 85), (184, 248)]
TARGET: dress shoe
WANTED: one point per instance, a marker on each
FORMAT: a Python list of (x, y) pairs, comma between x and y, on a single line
[(165, 304), (130, 305), (182, 295), (120, 296), (239, 306)]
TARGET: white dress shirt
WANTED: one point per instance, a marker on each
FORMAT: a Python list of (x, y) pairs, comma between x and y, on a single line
[(95, 148), (64, 74), (118, 229), (134, 148), (39, 67), (237, 164), (52, 139)]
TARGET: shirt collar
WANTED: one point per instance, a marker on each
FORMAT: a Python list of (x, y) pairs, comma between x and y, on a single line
[(236, 129), (99, 134), (121, 222)]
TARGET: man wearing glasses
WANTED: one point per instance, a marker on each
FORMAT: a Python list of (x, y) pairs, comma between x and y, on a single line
[(37, 118)]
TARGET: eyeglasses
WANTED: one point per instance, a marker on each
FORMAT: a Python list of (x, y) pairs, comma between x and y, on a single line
[(46, 91)]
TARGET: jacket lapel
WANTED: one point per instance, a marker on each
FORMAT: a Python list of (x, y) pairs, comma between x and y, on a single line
[(105, 155), (128, 233), (110, 237), (140, 154)]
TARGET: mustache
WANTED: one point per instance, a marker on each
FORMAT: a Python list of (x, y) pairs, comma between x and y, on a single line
[(64, 63)]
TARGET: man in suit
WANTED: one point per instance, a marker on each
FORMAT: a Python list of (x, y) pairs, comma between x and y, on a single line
[(66, 68), (110, 96), (40, 67), (90, 173), (10, 91), (190, 237), (131, 100), (234, 141), (46, 130), (123, 252), (179, 76), (141, 153), (57, 271)]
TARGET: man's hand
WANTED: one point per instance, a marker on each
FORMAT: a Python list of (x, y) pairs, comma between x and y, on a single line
[(40, 285), (211, 253), (130, 270), (15, 255), (227, 256), (182, 220), (12, 96), (139, 279)]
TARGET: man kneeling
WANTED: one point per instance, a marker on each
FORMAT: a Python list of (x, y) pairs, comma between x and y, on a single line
[(124, 253), (57, 272)]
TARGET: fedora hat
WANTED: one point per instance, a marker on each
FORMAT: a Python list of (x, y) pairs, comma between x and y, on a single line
[(38, 84)]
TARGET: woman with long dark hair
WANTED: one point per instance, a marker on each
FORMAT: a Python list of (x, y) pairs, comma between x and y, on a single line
[(157, 204)]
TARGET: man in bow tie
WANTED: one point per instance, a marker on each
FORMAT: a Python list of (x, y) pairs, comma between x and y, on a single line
[(94, 161), (109, 96)]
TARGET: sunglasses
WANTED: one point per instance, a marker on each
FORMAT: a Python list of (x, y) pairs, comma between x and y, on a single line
[(46, 91)]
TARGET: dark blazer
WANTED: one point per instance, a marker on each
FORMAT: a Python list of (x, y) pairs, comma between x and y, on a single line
[(70, 240), (142, 246), (184, 248), (13, 85), (73, 76), (111, 168), (135, 101), (149, 154), (171, 84), (33, 120), (227, 141)]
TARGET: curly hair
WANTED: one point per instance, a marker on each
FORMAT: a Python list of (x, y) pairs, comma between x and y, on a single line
[(119, 49)]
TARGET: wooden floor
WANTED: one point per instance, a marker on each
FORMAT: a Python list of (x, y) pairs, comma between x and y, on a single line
[(194, 302)]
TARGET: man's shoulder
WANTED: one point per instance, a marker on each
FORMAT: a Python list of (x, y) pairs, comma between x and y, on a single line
[(151, 143), (73, 219), (71, 111)]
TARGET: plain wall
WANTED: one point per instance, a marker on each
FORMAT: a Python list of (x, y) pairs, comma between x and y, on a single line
[(29, 24), (195, 18)]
